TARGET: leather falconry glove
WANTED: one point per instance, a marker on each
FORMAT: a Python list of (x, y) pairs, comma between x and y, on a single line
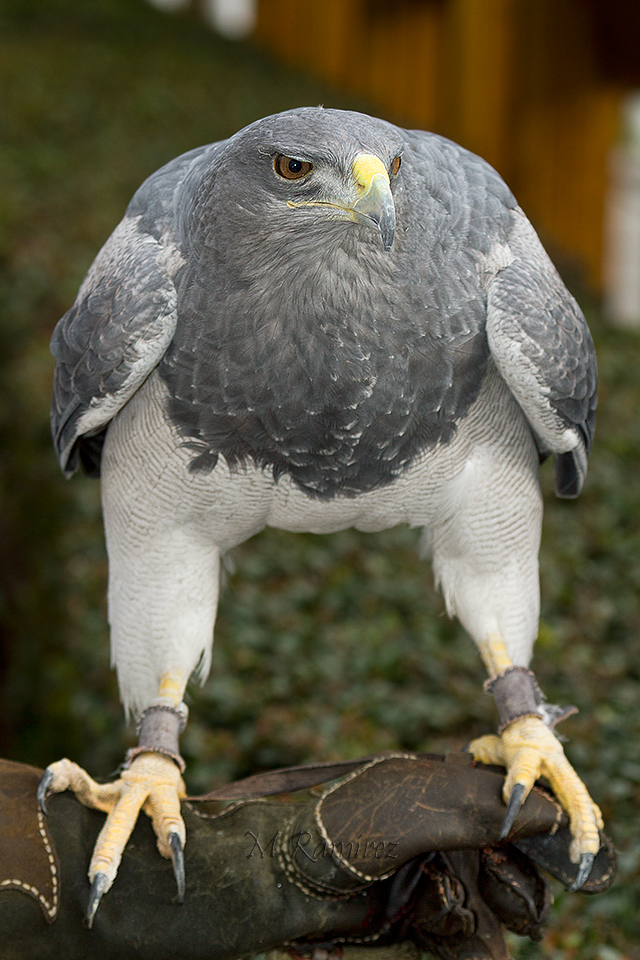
[(402, 849)]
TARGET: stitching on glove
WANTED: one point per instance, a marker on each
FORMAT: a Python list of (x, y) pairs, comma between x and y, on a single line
[(50, 909), (322, 829)]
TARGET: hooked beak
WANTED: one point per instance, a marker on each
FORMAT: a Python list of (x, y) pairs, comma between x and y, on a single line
[(375, 204)]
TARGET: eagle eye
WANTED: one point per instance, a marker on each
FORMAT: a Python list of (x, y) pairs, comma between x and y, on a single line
[(395, 166), (291, 169)]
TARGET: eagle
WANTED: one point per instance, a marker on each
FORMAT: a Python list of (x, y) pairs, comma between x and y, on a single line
[(324, 321)]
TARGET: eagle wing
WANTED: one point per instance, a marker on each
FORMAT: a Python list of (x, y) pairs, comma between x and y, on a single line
[(123, 319), (109, 341), (542, 347)]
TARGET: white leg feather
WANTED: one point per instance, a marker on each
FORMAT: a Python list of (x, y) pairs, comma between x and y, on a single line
[(485, 544)]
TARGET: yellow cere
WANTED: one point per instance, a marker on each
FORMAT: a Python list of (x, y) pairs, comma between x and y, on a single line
[(365, 168)]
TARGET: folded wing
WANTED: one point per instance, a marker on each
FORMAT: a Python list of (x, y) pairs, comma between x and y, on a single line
[(542, 347)]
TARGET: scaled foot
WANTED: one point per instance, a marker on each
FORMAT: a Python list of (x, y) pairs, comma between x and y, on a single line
[(530, 750), (151, 783)]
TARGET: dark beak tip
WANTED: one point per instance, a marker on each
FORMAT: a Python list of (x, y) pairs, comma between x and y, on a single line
[(387, 236), (387, 227)]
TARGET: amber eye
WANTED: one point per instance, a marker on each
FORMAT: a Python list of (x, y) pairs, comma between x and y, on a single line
[(290, 168), (395, 166)]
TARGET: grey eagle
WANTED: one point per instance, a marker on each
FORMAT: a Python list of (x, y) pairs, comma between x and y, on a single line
[(324, 321)]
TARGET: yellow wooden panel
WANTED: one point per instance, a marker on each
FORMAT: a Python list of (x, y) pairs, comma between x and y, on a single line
[(318, 36), (477, 76), (388, 52), (276, 28), (419, 93), (402, 59), (563, 129)]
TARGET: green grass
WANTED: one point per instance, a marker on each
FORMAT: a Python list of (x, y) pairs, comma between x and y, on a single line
[(326, 646)]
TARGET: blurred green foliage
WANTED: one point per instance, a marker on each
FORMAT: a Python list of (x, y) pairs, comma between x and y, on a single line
[(326, 646)]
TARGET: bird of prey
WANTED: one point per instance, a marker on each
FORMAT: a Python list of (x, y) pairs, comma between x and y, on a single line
[(324, 321)]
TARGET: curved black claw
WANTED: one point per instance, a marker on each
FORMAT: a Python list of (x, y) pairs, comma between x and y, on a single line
[(43, 788), (99, 886), (177, 859), (516, 800), (584, 869)]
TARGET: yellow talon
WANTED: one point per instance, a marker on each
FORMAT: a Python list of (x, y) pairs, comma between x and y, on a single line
[(529, 750), (152, 783)]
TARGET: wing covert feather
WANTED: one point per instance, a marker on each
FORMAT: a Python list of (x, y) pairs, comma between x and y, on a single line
[(109, 341), (541, 344)]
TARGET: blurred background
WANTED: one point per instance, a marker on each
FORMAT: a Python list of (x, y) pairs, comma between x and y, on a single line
[(336, 646)]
